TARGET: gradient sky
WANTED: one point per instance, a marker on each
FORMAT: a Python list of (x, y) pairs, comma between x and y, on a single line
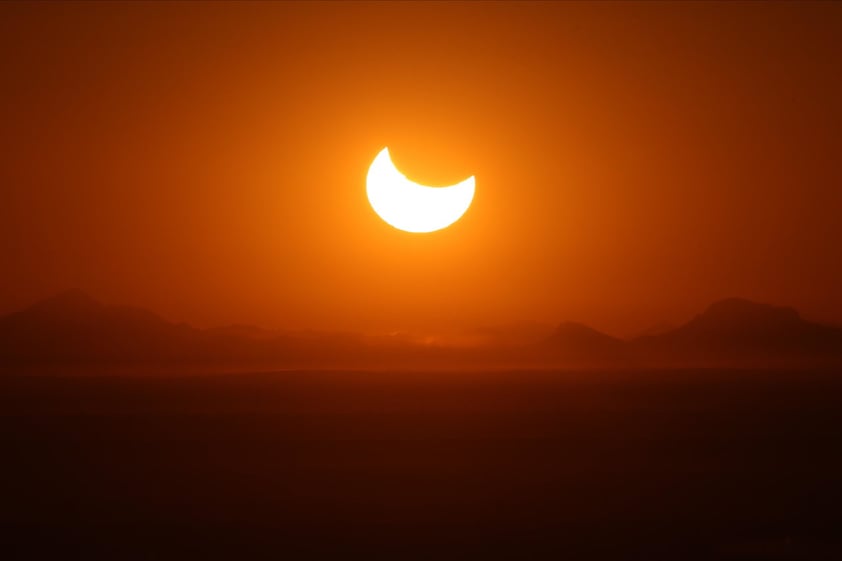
[(634, 162)]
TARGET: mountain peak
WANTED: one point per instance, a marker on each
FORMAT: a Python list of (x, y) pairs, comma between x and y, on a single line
[(72, 301), (740, 331), (576, 343), (737, 312), (576, 328)]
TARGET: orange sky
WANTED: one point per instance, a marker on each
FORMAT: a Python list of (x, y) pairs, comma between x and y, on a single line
[(633, 161)]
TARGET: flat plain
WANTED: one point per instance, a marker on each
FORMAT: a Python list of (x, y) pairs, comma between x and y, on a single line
[(669, 464)]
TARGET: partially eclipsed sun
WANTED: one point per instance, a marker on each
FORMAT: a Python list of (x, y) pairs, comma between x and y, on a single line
[(412, 207)]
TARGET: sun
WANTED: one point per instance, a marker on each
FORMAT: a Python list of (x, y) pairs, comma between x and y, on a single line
[(410, 206)]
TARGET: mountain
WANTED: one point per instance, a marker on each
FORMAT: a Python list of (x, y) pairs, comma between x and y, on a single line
[(739, 331), (246, 331), (511, 334), (72, 327), (730, 332), (577, 344), (655, 329)]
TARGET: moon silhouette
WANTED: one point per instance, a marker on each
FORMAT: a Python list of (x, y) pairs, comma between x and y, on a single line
[(410, 206)]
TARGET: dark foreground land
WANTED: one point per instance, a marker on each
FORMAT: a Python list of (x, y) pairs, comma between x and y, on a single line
[(502, 465)]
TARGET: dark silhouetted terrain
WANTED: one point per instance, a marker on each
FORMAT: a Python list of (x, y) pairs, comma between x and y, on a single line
[(74, 328), (574, 343), (740, 331), (633, 464), (420, 396), (119, 441)]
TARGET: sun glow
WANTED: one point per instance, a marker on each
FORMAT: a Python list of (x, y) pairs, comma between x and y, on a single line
[(412, 207)]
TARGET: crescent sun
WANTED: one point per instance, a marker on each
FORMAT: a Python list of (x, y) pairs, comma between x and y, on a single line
[(410, 206)]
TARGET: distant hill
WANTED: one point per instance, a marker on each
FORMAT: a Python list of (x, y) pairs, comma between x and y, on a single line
[(579, 345), (72, 327), (739, 331), (733, 331), (247, 331), (656, 329), (512, 334)]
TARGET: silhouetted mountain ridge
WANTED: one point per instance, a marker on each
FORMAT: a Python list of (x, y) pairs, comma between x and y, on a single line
[(75, 307), (578, 344), (742, 331), (739, 314), (72, 327)]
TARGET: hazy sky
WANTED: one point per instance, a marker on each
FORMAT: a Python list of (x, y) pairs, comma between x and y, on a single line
[(633, 162)]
